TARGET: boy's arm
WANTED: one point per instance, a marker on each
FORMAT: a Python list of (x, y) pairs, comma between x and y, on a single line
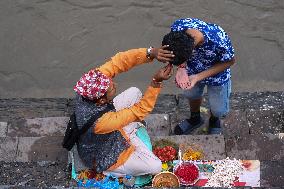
[(124, 61), (225, 56), (217, 68)]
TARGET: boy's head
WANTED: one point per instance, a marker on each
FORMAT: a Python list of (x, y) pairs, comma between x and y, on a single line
[(181, 44)]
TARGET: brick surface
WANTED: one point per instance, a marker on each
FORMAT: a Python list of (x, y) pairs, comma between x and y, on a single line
[(262, 147), (3, 129), (212, 145), (49, 126), (41, 149), (8, 148)]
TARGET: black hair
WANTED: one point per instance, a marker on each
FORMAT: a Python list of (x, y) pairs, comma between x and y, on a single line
[(181, 44)]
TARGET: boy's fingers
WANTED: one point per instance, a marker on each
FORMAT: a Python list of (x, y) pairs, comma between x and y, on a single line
[(165, 51), (164, 46), (165, 59)]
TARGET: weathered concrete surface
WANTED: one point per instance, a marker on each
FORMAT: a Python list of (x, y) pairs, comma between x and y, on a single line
[(41, 149), (236, 124), (3, 129), (31, 108), (33, 174), (47, 45), (266, 121), (158, 124), (49, 126), (32, 149), (261, 147), (272, 173), (8, 148)]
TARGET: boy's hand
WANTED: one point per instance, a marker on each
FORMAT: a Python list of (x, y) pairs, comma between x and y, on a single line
[(193, 79), (182, 78), (162, 55)]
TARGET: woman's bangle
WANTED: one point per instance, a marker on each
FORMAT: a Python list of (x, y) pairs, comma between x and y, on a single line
[(156, 84), (148, 52), (154, 80)]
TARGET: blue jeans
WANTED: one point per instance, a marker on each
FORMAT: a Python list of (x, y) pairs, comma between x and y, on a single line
[(218, 97)]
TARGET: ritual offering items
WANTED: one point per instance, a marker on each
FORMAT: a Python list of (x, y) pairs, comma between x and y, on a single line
[(166, 153), (165, 179), (165, 150), (187, 173), (191, 152), (225, 173)]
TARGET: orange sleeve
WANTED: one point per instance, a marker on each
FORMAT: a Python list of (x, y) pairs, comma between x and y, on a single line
[(123, 61), (116, 120)]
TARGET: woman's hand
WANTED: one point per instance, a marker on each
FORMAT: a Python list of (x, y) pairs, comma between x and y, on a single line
[(162, 55), (164, 73)]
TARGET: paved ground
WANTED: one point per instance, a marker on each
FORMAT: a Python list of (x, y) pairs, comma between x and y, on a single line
[(31, 133)]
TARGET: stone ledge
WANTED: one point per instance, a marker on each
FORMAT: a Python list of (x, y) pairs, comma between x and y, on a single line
[(49, 126), (262, 147), (158, 124), (3, 129), (8, 148), (272, 173), (30, 149), (166, 103)]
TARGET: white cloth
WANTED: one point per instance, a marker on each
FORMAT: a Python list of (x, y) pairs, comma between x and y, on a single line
[(142, 161)]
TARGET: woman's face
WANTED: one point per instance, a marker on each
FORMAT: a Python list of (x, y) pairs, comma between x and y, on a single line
[(111, 91)]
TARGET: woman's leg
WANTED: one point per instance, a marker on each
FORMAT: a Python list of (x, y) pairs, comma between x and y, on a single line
[(142, 161)]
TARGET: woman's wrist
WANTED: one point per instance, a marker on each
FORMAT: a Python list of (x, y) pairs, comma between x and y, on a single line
[(150, 53), (155, 83)]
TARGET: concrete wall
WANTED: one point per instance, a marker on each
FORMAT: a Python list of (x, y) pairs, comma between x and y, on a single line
[(45, 45)]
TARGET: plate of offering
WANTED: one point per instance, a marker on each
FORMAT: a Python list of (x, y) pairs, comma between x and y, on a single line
[(187, 173), (165, 179)]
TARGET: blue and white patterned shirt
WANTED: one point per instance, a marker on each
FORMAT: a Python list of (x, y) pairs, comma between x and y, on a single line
[(217, 47)]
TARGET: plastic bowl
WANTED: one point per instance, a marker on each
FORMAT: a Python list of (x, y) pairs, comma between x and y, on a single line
[(184, 176)]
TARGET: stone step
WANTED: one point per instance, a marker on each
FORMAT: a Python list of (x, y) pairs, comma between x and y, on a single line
[(31, 149), (166, 103), (46, 174), (268, 147), (212, 145), (237, 123), (159, 124)]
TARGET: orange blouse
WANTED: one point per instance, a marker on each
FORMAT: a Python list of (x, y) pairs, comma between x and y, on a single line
[(111, 121)]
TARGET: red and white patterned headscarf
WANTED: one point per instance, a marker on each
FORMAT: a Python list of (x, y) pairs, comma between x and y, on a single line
[(92, 85)]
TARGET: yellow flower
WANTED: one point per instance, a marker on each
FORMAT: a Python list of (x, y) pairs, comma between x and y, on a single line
[(165, 166)]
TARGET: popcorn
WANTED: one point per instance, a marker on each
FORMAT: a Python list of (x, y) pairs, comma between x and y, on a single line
[(225, 173)]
